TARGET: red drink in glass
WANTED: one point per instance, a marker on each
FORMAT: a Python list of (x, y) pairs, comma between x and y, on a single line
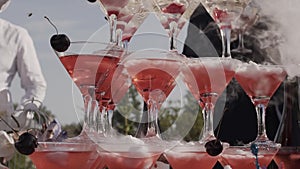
[(210, 75), (191, 156), (60, 155), (206, 79), (260, 80), (288, 158), (242, 157), (118, 160), (153, 74), (89, 70)]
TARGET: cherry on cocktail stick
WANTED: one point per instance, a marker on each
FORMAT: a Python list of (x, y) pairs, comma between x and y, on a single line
[(26, 142), (59, 42)]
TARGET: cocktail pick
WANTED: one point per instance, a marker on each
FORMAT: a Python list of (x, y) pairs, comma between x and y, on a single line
[(254, 150)]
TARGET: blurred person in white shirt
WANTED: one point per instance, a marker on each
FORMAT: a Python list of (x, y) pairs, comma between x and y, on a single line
[(18, 56)]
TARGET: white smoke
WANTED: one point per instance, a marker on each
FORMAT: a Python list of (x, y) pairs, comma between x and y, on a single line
[(287, 14)]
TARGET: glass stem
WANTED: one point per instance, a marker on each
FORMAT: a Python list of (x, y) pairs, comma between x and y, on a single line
[(208, 104), (99, 118), (90, 106), (208, 130), (152, 129), (226, 33), (172, 34), (143, 126), (261, 114), (112, 27), (109, 128), (125, 45), (119, 34), (241, 39)]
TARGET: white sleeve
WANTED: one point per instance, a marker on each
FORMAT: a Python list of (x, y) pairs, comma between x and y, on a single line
[(29, 70)]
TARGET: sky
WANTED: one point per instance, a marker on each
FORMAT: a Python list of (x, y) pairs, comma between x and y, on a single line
[(79, 20)]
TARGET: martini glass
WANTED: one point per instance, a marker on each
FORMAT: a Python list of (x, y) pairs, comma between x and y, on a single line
[(260, 82), (224, 12), (153, 73), (173, 15), (111, 93), (89, 64), (129, 21), (125, 16), (206, 78), (128, 152), (242, 157), (61, 155), (190, 155), (247, 18)]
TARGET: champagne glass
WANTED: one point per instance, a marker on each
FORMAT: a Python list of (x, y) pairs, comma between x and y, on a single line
[(90, 64), (224, 12), (128, 25), (248, 17), (206, 78), (242, 157), (260, 82), (210, 76), (153, 73), (109, 94), (124, 18), (173, 15), (49, 155), (190, 155)]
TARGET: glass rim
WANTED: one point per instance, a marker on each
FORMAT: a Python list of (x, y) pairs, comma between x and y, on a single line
[(64, 146), (103, 47), (169, 55)]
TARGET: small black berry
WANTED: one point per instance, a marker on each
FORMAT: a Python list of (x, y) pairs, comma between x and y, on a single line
[(214, 147), (26, 144), (60, 42)]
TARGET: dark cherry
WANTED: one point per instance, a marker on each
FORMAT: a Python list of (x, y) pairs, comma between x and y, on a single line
[(26, 143), (214, 147), (92, 1), (60, 42)]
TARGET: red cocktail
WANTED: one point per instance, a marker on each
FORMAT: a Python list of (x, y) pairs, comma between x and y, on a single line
[(125, 16), (173, 16), (288, 158), (242, 157), (260, 83), (206, 79), (128, 152), (190, 155), (153, 73), (91, 66), (61, 155)]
